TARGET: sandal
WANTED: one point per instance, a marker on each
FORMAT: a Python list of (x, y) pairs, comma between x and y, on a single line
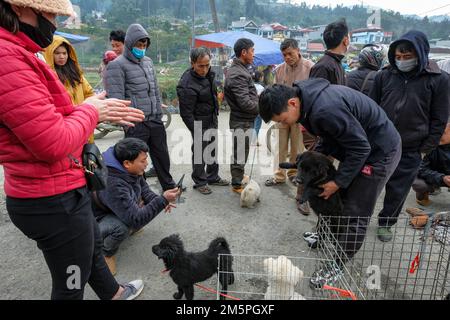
[(204, 190), (272, 182), (415, 212)]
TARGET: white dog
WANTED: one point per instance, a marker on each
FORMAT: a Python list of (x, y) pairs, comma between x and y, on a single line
[(283, 276), (250, 195)]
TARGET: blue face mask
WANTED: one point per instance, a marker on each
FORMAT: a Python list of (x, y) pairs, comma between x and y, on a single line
[(138, 53)]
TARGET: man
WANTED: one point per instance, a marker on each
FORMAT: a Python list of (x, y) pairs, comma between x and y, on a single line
[(415, 95), (337, 41), (354, 130), (242, 97), (199, 109), (132, 77), (294, 68), (127, 204), (117, 40), (434, 171)]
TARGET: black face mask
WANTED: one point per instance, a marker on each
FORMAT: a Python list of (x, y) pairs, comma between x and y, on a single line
[(42, 35)]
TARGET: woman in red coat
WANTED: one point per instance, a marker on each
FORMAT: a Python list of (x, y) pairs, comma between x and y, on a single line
[(41, 131)]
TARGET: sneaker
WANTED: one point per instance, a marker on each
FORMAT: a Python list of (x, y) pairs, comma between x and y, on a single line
[(384, 234), (237, 189), (111, 263), (220, 183), (329, 274), (132, 290), (150, 173), (303, 208), (312, 239)]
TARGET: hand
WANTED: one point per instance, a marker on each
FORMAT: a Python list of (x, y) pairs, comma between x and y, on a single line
[(447, 181), (115, 110), (169, 208), (172, 195), (329, 189)]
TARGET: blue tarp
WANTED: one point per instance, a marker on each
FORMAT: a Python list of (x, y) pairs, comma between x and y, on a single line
[(267, 52), (73, 38)]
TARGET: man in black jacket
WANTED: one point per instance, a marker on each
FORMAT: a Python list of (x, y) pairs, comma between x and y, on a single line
[(354, 130), (434, 172), (337, 41), (242, 97), (127, 204), (199, 109), (414, 93)]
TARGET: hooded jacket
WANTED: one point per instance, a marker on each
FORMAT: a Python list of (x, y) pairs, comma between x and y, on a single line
[(124, 193), (81, 91), (240, 93), (40, 128), (416, 102), (352, 126), (198, 99), (130, 78)]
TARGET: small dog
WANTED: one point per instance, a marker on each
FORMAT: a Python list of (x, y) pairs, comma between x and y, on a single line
[(250, 195), (188, 268), (283, 277), (314, 170)]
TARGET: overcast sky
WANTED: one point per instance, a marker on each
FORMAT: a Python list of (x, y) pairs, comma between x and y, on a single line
[(419, 7)]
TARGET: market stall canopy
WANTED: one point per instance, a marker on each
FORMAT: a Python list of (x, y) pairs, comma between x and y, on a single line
[(267, 52), (72, 38)]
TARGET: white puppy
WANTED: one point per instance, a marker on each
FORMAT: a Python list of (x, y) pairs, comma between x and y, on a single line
[(250, 194), (283, 276)]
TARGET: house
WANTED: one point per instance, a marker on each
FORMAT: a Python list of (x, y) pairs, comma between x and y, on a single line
[(315, 49), (317, 32), (244, 25), (302, 35), (266, 31), (280, 32), (367, 35)]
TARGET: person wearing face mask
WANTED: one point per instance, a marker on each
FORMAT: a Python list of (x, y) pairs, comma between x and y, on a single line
[(337, 41), (62, 58), (414, 93), (132, 76), (42, 137)]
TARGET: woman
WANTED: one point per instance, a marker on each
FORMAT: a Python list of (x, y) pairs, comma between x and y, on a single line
[(62, 58), (40, 131)]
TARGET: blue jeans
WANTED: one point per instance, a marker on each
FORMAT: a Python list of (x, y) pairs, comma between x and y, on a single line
[(113, 232)]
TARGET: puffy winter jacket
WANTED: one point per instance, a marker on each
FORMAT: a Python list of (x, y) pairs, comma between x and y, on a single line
[(240, 93), (416, 102), (40, 128), (124, 193), (198, 99), (363, 76), (134, 79)]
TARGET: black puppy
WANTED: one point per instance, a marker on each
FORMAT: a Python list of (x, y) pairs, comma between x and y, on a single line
[(188, 268), (314, 170)]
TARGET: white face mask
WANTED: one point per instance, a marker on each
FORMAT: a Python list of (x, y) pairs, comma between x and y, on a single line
[(407, 65)]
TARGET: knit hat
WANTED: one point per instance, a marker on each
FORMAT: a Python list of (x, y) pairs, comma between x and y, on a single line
[(59, 7)]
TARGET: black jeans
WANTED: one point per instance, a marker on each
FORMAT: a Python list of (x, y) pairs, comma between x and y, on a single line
[(65, 230), (359, 201), (113, 232), (242, 133), (398, 187), (153, 133), (199, 175)]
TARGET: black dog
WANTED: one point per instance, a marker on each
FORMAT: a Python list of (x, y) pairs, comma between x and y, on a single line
[(314, 170), (187, 268)]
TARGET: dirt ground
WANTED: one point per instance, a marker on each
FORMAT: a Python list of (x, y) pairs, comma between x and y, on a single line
[(274, 227)]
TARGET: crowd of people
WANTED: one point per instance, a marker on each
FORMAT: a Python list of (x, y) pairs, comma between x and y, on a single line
[(386, 126)]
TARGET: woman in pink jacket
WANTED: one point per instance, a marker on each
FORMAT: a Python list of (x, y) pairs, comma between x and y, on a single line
[(41, 131)]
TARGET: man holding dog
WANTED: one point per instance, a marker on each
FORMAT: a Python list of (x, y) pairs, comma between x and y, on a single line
[(354, 130)]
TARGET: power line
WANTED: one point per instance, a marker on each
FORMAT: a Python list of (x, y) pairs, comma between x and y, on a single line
[(434, 9)]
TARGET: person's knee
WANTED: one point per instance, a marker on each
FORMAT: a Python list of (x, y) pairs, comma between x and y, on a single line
[(420, 186)]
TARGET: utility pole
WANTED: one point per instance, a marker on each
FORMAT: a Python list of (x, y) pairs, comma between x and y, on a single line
[(212, 5), (193, 24)]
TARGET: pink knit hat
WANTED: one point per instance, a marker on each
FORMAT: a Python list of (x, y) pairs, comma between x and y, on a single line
[(58, 7)]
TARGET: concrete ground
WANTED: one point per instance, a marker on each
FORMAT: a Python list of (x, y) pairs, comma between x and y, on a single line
[(274, 227)]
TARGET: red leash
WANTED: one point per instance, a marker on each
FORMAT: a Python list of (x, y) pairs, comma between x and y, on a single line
[(208, 289)]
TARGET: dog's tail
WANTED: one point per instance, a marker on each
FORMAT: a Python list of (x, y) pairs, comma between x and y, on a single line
[(219, 244)]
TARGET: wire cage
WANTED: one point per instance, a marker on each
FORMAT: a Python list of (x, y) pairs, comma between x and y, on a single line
[(414, 265)]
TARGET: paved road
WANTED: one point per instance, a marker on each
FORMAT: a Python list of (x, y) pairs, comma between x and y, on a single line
[(273, 228)]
